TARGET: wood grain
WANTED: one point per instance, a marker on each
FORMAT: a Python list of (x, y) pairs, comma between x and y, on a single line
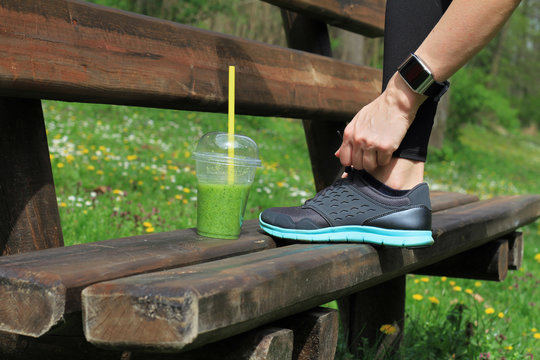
[(77, 51), (365, 17), (194, 305), (29, 218), (38, 289)]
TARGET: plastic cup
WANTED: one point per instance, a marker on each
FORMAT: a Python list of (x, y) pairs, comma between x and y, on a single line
[(224, 182)]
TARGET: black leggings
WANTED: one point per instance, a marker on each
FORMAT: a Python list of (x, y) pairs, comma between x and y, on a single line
[(408, 22)]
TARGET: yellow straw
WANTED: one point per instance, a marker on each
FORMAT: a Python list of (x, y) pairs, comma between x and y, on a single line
[(231, 125)]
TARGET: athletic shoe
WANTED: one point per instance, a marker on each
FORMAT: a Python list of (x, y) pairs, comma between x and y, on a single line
[(359, 209)]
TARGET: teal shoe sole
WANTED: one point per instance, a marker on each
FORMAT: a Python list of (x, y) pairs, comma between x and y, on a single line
[(354, 234)]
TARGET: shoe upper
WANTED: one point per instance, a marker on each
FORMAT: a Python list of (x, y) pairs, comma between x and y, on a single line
[(358, 199)]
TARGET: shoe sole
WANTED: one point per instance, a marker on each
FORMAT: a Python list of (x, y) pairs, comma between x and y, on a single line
[(354, 234)]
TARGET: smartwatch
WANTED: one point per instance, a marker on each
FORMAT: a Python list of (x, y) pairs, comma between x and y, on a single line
[(419, 78)]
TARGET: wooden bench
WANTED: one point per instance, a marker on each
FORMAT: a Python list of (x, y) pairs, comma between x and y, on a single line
[(256, 297)]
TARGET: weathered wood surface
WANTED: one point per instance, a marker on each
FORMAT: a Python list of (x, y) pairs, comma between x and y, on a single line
[(46, 285), (77, 51), (364, 17), (315, 333), (364, 312), (441, 200), (515, 250), (194, 305), (306, 34), (265, 343), (29, 217), (486, 262), (37, 289)]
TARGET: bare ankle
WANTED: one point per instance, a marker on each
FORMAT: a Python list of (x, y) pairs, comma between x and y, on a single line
[(400, 174)]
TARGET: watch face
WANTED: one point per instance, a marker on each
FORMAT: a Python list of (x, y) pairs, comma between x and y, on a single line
[(414, 73)]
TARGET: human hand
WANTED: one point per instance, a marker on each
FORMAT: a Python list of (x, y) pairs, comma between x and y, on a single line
[(379, 127)]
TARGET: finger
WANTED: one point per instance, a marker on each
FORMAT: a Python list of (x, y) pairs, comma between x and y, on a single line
[(358, 159), (345, 154), (369, 160), (383, 158)]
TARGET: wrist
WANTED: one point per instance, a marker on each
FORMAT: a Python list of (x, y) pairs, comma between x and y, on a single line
[(403, 96)]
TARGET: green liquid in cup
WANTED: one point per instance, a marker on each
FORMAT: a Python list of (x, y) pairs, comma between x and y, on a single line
[(220, 209)]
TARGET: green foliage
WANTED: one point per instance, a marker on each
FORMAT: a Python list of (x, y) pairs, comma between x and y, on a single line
[(473, 103)]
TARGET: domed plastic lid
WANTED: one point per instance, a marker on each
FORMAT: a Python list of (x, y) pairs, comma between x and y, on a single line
[(214, 147)]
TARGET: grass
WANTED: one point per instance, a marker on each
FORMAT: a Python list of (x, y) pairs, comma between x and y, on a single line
[(123, 171)]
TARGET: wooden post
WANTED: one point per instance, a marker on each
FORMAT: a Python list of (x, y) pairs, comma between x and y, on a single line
[(304, 33), (365, 312), (29, 217), (315, 333)]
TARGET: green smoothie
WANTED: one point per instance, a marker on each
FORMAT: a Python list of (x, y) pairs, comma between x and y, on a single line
[(220, 209)]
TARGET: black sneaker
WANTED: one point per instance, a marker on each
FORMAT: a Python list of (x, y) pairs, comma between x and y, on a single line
[(357, 208)]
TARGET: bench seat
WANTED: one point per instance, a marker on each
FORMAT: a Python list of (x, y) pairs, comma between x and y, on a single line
[(194, 305)]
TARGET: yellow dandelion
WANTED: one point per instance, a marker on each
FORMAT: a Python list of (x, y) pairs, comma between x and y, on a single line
[(469, 291), (500, 315), (91, 167), (443, 279), (457, 288), (508, 347), (85, 151), (187, 154), (490, 310), (51, 156), (424, 279), (280, 183), (102, 148), (434, 300), (150, 229), (477, 284), (70, 158), (147, 224), (169, 162), (537, 257), (100, 172), (185, 201), (57, 136), (162, 187), (140, 182), (178, 197), (388, 329), (536, 335), (131, 157), (417, 297), (118, 192), (187, 190), (452, 283), (416, 281), (60, 165), (63, 204), (534, 329)]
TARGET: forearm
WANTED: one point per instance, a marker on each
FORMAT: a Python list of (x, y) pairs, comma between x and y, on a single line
[(464, 29)]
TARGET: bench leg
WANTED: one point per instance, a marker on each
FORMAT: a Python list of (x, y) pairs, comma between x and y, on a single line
[(306, 34), (29, 217), (315, 333), (365, 312)]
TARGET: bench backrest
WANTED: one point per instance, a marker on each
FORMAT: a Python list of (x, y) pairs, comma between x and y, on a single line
[(75, 51)]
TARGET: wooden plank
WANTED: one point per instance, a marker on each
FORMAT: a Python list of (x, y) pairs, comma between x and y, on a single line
[(306, 34), (38, 289), (29, 217), (54, 278), (194, 305), (441, 200), (266, 343), (515, 250), (365, 312), (486, 262), (77, 51), (315, 333), (365, 17)]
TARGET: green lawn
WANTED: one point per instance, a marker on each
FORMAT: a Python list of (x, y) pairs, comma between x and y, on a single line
[(122, 171)]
